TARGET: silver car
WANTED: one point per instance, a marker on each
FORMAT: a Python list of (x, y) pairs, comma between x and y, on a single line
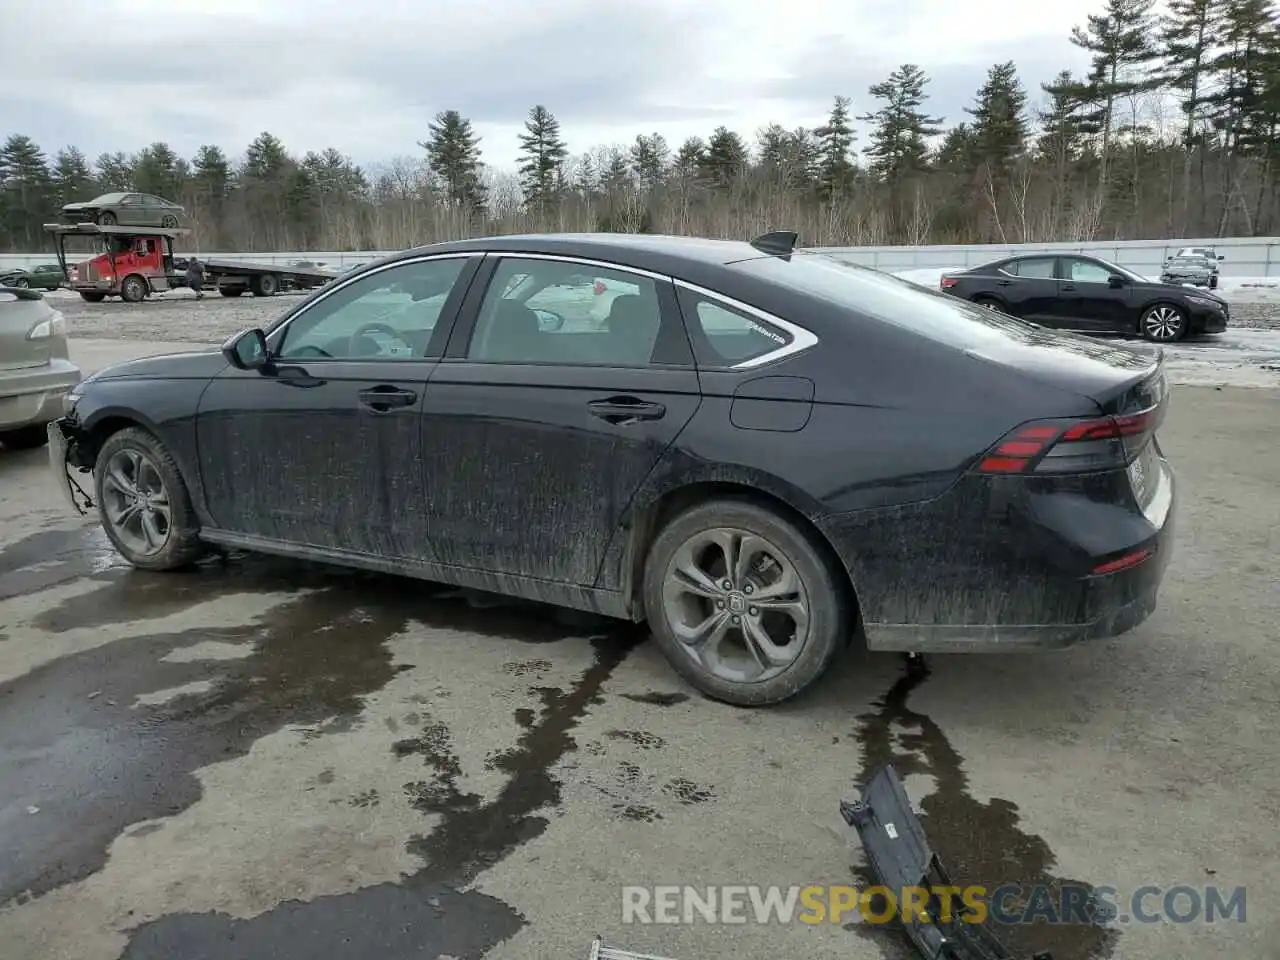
[(1195, 270), (35, 371)]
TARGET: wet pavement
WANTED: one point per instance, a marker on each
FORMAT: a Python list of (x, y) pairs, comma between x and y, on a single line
[(268, 759)]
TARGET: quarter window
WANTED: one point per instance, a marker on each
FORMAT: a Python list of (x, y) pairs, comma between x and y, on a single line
[(388, 315), (724, 336), (550, 311)]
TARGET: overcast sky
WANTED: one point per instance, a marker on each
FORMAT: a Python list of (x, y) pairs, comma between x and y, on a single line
[(366, 77)]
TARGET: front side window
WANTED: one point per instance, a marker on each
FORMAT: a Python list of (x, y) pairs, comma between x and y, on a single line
[(387, 315), (1086, 271), (542, 311)]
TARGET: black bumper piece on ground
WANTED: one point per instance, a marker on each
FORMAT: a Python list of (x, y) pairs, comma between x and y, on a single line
[(898, 853)]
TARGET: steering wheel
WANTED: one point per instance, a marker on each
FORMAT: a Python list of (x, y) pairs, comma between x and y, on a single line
[(301, 353), (369, 328)]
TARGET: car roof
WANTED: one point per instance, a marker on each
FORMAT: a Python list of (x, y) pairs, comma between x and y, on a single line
[(658, 253)]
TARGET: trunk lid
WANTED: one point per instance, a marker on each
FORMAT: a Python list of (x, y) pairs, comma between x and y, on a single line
[(1119, 379), (21, 311)]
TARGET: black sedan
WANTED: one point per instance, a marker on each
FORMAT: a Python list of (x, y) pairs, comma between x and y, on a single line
[(1075, 292), (762, 452)]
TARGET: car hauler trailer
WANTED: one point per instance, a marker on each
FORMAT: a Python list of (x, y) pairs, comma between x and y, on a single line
[(134, 262)]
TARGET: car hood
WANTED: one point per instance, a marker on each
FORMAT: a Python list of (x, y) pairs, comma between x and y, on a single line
[(1174, 289), (76, 206), (169, 366)]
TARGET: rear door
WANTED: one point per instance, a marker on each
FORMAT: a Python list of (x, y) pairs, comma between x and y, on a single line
[(1030, 288), (536, 434)]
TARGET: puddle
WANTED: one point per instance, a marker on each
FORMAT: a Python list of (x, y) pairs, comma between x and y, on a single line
[(979, 843)]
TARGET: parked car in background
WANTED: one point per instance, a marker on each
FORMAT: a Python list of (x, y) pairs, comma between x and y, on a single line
[(1197, 271), (1209, 253), (127, 210), (762, 452), (35, 372), (47, 276), (1086, 294)]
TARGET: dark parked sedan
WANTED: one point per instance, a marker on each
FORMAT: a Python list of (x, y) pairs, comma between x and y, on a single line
[(762, 452), (1075, 292), (126, 210)]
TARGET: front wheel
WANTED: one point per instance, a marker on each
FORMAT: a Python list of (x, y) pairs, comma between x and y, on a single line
[(744, 605), (133, 289), (1163, 323), (143, 502), (106, 219)]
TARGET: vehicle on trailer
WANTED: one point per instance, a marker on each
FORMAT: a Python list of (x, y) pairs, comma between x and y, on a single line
[(1072, 291), (46, 276), (127, 210), (36, 373), (762, 451), (122, 262)]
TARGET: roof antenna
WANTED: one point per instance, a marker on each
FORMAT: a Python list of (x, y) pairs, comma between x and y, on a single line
[(780, 243)]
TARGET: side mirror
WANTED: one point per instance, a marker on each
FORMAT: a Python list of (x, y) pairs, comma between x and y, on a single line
[(247, 350), (1115, 281)]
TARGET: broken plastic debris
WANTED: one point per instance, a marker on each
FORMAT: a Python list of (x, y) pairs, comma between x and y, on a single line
[(599, 951)]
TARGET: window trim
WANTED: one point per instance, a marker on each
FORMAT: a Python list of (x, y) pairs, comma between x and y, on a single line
[(275, 334), (801, 338)]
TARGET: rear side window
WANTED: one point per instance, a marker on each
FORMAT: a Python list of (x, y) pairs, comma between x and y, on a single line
[(881, 296), (724, 336), (1040, 268)]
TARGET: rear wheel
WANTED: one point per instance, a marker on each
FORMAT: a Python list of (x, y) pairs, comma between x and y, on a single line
[(1163, 323), (106, 219), (169, 222), (266, 285), (133, 288), (143, 502), (25, 438), (744, 605), (231, 291), (987, 303), (92, 297)]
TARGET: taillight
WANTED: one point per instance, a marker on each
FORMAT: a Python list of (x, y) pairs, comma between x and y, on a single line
[(947, 283), (1071, 446)]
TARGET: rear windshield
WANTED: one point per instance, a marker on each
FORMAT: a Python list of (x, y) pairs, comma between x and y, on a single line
[(882, 296)]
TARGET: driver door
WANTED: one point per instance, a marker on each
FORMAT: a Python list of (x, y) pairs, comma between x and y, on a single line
[(323, 448)]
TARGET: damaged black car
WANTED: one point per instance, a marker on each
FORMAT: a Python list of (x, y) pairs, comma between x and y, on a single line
[(759, 450)]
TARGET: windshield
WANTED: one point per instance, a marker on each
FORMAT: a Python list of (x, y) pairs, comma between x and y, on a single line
[(885, 297)]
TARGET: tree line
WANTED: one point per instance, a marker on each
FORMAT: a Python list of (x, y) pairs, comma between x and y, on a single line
[(1172, 131)]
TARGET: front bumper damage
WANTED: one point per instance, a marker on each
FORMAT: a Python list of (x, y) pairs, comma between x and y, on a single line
[(65, 456), (899, 855)]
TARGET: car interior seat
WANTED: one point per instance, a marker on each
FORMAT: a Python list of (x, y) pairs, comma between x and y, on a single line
[(632, 325), (514, 334)]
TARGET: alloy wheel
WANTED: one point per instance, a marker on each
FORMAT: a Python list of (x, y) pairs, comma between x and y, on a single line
[(736, 604), (136, 502), (1163, 323)]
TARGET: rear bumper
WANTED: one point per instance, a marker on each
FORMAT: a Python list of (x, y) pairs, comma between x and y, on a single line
[(35, 397), (1022, 582)]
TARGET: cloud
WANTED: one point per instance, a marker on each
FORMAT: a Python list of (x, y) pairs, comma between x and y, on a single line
[(368, 77)]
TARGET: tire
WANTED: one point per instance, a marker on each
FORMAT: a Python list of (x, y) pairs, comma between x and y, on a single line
[(25, 438), (22, 283), (669, 607), (91, 297), (1163, 323), (168, 222), (231, 291), (107, 219), (266, 285), (1213, 282), (180, 545), (133, 289), (988, 303)]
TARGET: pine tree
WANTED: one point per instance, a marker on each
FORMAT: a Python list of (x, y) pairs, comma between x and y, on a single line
[(453, 154), (725, 160), (900, 128), (542, 161), (1187, 44), (650, 157), (114, 172), (26, 191), (836, 139), (1120, 40), (155, 171), (999, 118), (72, 178)]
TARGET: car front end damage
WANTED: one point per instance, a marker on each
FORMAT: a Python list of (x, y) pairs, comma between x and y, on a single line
[(71, 459), (943, 927)]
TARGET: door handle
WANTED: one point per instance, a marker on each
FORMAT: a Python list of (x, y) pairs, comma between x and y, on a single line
[(626, 409), (386, 397), (1004, 283), (1068, 286)]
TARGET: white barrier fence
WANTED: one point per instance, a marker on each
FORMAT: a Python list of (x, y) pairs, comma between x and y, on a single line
[(1244, 256)]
